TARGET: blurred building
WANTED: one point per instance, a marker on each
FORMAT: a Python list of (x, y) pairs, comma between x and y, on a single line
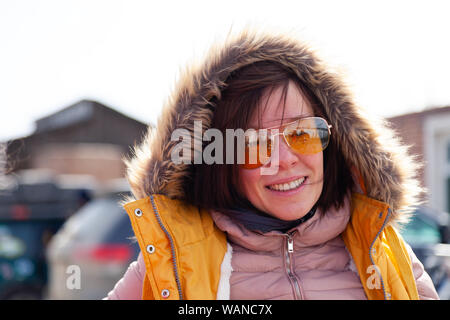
[(428, 134), (85, 138)]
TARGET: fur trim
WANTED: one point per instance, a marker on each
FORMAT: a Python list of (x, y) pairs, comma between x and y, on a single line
[(368, 144), (351, 263), (223, 290)]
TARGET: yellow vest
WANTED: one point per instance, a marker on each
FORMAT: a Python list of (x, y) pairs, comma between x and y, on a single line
[(183, 250)]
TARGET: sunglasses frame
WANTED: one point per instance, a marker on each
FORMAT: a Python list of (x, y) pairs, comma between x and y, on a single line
[(272, 136)]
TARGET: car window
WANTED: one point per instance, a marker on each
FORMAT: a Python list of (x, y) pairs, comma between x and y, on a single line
[(18, 238), (93, 222), (420, 231), (121, 232)]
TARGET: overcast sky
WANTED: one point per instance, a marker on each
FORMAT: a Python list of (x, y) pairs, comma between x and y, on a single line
[(127, 54)]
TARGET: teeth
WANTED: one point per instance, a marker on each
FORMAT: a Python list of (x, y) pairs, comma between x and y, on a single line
[(287, 186)]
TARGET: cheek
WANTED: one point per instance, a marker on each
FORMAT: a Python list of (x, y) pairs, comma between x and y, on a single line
[(317, 167), (319, 163), (315, 163), (249, 181)]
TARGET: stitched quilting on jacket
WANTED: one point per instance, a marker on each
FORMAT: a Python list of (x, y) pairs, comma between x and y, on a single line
[(186, 254)]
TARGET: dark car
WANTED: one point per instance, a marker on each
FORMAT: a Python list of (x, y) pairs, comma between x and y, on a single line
[(428, 234), (31, 212), (96, 242)]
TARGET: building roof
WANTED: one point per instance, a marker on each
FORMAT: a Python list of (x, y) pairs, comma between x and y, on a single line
[(425, 112), (79, 112)]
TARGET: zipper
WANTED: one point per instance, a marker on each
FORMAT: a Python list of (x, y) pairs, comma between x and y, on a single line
[(288, 252), (371, 248), (172, 247)]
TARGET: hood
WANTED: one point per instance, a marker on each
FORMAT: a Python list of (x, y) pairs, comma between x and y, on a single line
[(368, 144)]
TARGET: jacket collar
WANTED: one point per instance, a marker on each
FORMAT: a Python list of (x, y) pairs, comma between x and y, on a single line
[(321, 228)]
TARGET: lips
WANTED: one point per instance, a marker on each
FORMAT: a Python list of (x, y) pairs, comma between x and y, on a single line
[(288, 185)]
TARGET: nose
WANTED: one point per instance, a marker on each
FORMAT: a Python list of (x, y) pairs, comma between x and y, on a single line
[(283, 155)]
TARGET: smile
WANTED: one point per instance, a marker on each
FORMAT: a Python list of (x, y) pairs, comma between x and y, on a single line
[(288, 185)]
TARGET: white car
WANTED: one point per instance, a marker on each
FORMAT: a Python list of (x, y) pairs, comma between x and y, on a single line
[(91, 252)]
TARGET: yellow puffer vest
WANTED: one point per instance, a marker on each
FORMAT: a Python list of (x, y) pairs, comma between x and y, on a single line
[(183, 250)]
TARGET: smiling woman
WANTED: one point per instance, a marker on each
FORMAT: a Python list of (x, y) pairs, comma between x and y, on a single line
[(321, 225), (266, 94)]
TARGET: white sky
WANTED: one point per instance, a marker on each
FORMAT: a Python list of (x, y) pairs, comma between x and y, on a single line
[(127, 54)]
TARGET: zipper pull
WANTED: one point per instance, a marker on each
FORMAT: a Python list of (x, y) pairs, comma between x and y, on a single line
[(290, 244)]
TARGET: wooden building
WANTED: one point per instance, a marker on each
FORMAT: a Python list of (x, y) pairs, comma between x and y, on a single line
[(428, 135), (84, 138)]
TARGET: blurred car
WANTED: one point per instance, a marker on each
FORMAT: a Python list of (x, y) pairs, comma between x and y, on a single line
[(23, 269), (428, 234), (97, 243), (31, 211)]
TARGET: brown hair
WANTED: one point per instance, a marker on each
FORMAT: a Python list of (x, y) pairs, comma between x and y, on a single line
[(216, 186)]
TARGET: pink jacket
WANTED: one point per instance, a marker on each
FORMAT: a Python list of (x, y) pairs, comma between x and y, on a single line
[(319, 267)]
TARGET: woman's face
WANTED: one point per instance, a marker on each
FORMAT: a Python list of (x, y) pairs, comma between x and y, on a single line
[(289, 166)]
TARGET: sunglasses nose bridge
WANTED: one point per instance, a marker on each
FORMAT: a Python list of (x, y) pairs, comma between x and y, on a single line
[(277, 142), (283, 134), (274, 135)]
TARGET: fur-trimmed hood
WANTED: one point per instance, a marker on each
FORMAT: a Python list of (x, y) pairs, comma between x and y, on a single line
[(368, 145)]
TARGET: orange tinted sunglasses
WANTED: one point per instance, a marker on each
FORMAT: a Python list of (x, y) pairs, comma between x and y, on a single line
[(305, 136)]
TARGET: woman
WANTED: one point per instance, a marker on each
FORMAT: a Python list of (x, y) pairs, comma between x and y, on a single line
[(309, 211)]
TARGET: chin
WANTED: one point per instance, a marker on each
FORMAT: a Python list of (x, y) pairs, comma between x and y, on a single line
[(294, 215)]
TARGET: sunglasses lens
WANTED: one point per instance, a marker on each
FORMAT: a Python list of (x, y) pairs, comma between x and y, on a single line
[(257, 153), (308, 136)]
